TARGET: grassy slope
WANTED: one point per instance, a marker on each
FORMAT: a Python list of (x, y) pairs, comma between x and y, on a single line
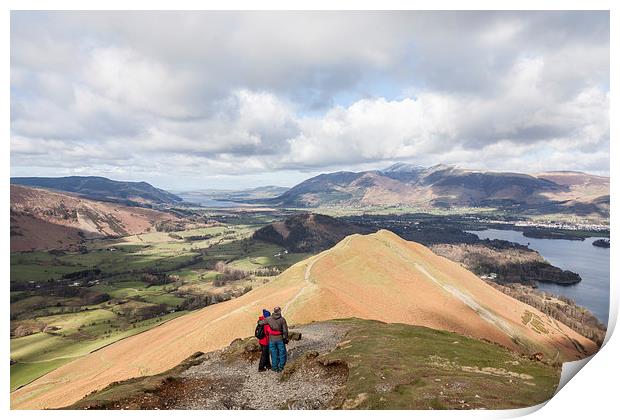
[(23, 373), (399, 366), (40, 353)]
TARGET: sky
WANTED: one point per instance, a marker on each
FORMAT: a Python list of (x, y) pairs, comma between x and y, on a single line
[(203, 100)]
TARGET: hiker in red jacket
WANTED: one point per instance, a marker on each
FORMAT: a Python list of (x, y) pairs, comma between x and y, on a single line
[(264, 363)]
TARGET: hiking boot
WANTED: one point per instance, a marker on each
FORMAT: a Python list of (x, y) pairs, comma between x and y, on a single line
[(262, 369)]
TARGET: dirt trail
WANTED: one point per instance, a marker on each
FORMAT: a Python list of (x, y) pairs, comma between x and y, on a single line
[(305, 288), (306, 388), (219, 383), (307, 274)]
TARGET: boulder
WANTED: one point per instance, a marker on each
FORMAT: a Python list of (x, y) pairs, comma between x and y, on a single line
[(537, 357), (251, 347), (22, 331), (50, 328)]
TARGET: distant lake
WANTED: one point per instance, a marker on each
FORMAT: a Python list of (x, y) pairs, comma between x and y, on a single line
[(208, 202), (211, 203), (589, 261)]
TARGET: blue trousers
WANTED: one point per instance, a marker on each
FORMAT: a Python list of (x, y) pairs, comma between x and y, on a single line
[(278, 354)]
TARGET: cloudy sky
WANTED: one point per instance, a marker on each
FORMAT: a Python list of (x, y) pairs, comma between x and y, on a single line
[(189, 100)]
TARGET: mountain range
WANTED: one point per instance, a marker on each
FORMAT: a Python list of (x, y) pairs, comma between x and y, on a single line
[(103, 189), (444, 186), (402, 184)]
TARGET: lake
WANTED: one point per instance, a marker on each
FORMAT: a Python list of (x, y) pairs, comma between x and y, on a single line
[(210, 202), (581, 257)]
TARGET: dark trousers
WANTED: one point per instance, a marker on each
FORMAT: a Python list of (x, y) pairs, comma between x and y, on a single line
[(264, 358)]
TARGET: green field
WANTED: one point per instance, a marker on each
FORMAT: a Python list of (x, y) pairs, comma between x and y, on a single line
[(39, 353), (341, 211), (24, 373), (156, 250), (89, 309)]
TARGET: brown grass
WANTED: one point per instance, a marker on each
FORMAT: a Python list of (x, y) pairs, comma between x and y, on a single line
[(378, 276)]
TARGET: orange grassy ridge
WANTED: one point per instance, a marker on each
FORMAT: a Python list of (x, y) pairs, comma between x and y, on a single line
[(378, 276)]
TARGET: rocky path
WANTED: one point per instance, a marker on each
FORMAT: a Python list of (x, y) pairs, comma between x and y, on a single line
[(219, 383), (308, 273)]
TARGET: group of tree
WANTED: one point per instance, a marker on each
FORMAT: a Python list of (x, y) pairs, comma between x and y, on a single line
[(141, 312), (155, 278), (559, 308), (527, 272), (227, 274), (267, 272)]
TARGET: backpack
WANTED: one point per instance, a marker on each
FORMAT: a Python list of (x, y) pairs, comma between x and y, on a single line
[(260, 331)]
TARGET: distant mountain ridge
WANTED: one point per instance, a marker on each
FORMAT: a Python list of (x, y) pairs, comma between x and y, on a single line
[(43, 219), (103, 189), (443, 186)]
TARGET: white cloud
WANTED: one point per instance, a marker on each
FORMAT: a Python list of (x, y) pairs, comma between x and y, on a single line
[(143, 84), (238, 93), (438, 123)]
